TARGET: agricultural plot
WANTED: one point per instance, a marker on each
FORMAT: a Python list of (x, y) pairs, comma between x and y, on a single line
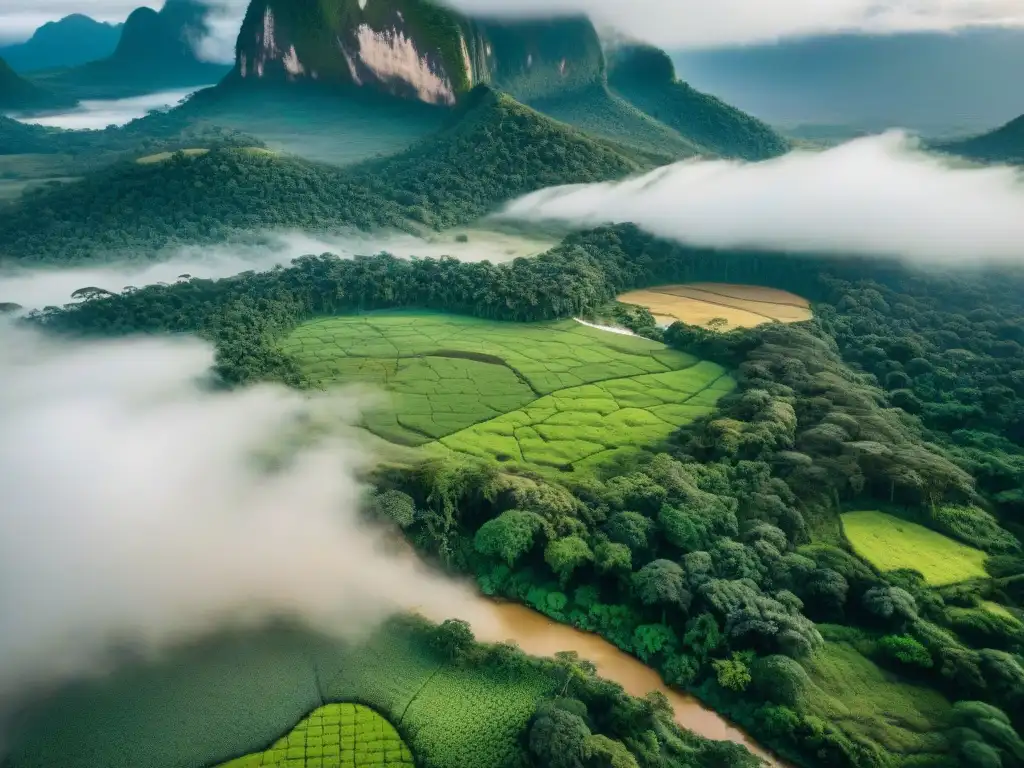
[(889, 543), (473, 717), (582, 426), (335, 736), (568, 391), (739, 306), (235, 694)]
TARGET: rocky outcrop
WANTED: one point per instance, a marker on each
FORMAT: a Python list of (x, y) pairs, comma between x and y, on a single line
[(414, 49)]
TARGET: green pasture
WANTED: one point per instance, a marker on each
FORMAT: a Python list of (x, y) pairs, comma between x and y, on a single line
[(872, 705), (335, 736), (237, 697), (582, 426), (549, 394), (889, 543)]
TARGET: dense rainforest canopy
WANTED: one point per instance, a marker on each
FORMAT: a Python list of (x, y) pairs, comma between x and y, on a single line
[(496, 149), (720, 558)]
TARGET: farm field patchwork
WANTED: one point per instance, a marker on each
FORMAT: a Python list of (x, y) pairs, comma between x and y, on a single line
[(551, 394), (740, 306), (233, 695), (335, 735), (889, 543), (578, 426)]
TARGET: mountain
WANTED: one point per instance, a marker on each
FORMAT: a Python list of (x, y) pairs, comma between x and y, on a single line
[(17, 93), (933, 83), (645, 76), (414, 49), (1003, 145), (156, 51), (494, 149), (74, 40)]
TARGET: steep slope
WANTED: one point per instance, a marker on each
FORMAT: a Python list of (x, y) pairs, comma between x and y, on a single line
[(414, 49), (495, 149), (1003, 145), (69, 42), (646, 77), (17, 93), (601, 113), (156, 51)]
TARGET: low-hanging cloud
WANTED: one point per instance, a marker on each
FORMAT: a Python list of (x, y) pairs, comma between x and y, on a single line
[(675, 23), (879, 196), (96, 114), (139, 508), (41, 287)]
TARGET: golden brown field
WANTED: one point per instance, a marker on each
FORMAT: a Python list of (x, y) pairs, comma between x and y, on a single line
[(739, 306)]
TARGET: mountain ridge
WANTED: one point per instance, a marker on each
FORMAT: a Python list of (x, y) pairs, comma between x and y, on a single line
[(1005, 144), (68, 42)]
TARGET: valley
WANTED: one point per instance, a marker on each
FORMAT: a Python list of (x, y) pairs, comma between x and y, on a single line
[(663, 476)]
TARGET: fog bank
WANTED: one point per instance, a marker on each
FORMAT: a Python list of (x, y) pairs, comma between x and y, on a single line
[(40, 287), (97, 114), (137, 509), (880, 196)]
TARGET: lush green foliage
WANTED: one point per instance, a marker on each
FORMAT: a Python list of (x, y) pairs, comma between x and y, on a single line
[(342, 735), (746, 501), (889, 544)]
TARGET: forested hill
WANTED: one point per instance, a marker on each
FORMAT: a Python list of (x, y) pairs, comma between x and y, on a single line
[(1003, 145), (646, 77), (494, 150), (18, 93)]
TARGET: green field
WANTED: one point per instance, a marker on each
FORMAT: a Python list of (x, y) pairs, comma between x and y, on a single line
[(235, 694), (549, 394), (335, 736), (872, 705), (889, 543)]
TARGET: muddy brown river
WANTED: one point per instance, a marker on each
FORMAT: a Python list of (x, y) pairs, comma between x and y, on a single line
[(540, 636)]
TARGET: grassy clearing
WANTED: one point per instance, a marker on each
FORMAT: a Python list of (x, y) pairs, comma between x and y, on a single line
[(583, 427), (161, 157), (446, 373), (871, 704), (889, 543), (741, 306), (339, 736)]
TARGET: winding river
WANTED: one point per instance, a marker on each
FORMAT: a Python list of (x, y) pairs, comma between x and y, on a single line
[(538, 635)]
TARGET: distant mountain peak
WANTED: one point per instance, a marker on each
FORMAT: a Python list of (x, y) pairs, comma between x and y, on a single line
[(171, 32), (413, 48), (67, 42)]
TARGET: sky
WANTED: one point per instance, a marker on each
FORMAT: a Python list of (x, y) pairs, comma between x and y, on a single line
[(673, 23)]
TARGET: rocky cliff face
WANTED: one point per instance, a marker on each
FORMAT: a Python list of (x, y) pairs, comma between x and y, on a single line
[(413, 49)]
